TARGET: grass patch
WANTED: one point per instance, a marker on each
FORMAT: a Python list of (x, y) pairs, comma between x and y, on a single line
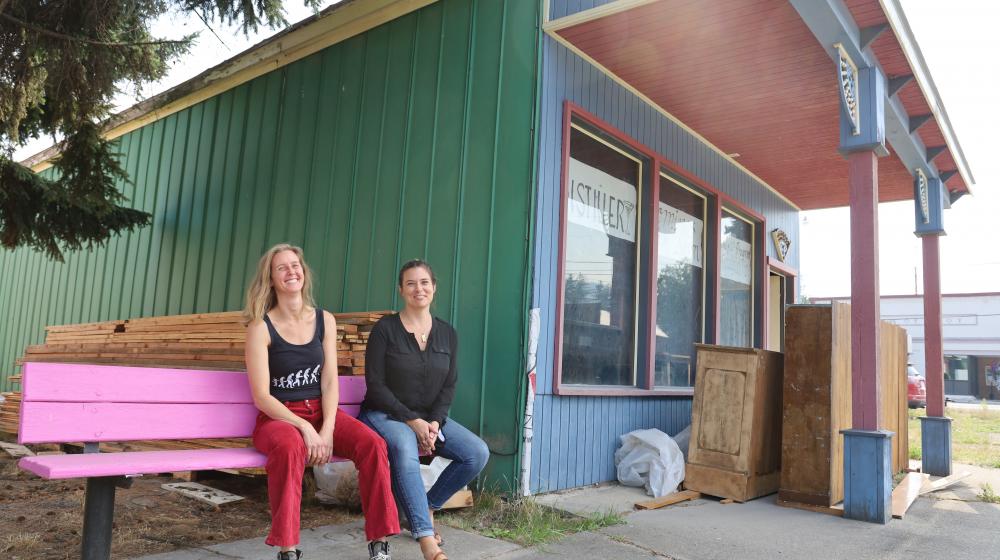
[(971, 431), (523, 521), (988, 495), (20, 542)]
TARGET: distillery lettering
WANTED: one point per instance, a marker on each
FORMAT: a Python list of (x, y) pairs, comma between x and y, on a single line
[(616, 214)]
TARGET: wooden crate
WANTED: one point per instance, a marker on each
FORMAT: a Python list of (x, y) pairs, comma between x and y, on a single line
[(735, 423), (817, 400)]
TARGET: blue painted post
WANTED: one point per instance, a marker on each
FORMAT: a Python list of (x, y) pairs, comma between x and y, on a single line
[(935, 441), (867, 449), (867, 466)]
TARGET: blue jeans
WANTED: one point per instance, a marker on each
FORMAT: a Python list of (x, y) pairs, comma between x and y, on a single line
[(468, 456)]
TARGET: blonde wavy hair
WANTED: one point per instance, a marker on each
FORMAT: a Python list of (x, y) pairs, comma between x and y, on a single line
[(260, 295)]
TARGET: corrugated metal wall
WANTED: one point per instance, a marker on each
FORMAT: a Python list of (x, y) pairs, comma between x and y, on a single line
[(575, 437), (412, 140)]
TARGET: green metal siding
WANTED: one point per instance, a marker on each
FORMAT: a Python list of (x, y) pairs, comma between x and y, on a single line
[(411, 140)]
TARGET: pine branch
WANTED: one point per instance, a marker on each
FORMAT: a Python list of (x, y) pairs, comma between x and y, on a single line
[(64, 37)]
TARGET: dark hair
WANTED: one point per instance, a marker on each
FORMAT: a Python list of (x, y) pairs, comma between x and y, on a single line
[(417, 263)]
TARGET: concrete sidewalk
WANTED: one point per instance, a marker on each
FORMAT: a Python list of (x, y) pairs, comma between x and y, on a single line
[(947, 524)]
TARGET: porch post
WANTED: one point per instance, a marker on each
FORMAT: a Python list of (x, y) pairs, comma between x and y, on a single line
[(867, 449), (930, 198)]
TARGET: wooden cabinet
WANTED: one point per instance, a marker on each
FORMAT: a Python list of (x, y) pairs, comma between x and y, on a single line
[(817, 400), (735, 447)]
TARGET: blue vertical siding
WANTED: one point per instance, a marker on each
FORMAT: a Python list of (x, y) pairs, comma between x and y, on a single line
[(575, 437), (563, 8)]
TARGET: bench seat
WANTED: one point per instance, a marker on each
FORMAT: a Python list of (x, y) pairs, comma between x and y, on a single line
[(70, 403), (143, 462)]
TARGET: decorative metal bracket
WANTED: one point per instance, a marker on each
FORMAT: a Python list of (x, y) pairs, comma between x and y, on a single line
[(781, 243), (923, 199), (849, 87)]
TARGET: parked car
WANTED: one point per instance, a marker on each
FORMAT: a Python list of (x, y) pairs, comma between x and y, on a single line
[(916, 388)]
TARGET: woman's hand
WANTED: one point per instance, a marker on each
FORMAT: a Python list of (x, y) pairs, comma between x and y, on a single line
[(318, 449), (426, 437)]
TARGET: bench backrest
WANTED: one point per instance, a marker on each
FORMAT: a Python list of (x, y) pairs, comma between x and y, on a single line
[(84, 402)]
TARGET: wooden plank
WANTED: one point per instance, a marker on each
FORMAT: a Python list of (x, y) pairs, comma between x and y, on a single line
[(837, 509), (942, 483), (98, 383), (113, 464), (460, 499), (54, 422), (669, 500), (906, 492)]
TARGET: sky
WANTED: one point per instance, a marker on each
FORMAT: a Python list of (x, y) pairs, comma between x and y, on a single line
[(955, 38)]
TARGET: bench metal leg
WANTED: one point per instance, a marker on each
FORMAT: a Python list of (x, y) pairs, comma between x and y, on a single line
[(98, 515)]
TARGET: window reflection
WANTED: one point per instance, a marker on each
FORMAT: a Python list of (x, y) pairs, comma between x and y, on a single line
[(599, 308), (680, 283), (736, 281)]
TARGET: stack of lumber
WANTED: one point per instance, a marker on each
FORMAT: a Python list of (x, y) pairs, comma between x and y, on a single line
[(203, 340), (353, 330), (10, 408)]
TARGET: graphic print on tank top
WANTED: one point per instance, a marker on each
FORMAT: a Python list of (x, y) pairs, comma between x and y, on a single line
[(295, 368)]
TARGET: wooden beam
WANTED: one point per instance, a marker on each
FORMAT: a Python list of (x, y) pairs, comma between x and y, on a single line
[(917, 121), (897, 83), (869, 34), (935, 151), (945, 175)]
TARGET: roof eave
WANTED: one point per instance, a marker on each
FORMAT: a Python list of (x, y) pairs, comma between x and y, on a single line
[(911, 50)]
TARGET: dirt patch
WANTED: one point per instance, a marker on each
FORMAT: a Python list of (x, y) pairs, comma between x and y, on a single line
[(43, 519)]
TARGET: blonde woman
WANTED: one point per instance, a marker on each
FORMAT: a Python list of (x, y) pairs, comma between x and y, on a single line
[(291, 356)]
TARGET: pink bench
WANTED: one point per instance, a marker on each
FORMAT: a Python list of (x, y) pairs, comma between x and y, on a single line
[(63, 403)]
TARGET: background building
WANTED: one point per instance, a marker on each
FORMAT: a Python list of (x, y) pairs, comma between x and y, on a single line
[(971, 341)]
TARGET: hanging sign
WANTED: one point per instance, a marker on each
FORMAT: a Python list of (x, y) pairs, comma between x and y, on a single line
[(737, 260), (601, 202), (686, 230)]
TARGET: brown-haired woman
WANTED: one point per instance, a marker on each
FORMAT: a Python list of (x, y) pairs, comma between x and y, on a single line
[(291, 356), (411, 371)]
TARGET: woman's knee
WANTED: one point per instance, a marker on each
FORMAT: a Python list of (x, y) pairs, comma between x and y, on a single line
[(480, 454)]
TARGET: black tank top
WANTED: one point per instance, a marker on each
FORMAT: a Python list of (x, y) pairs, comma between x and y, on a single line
[(295, 368)]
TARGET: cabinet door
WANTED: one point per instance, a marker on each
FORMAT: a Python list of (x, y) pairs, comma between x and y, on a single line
[(722, 412)]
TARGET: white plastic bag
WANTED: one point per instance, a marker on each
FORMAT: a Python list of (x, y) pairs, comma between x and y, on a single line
[(337, 484), (651, 459), (431, 472)]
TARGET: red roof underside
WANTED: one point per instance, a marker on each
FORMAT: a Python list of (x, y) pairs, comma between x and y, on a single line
[(750, 77)]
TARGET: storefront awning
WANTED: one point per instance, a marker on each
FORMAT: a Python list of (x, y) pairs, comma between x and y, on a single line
[(752, 78)]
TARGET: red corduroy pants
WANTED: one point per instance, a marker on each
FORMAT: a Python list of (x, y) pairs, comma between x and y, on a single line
[(286, 461)]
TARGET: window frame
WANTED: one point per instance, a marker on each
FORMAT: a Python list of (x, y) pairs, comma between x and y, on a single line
[(655, 168)]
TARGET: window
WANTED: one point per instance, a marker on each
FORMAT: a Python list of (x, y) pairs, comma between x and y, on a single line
[(736, 274), (680, 282), (653, 262), (601, 244)]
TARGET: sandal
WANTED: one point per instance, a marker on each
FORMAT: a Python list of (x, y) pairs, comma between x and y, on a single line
[(439, 556), (438, 539)]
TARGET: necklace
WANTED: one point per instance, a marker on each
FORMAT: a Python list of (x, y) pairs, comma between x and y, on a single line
[(422, 335)]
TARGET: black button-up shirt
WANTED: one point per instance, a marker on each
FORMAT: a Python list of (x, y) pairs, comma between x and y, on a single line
[(405, 382)]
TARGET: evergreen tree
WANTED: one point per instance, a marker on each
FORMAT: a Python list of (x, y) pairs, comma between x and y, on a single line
[(63, 63)]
